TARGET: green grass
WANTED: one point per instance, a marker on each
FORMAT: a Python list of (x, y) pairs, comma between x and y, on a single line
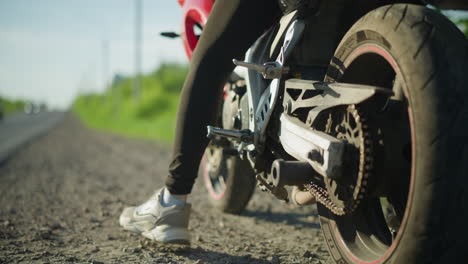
[(11, 106), (463, 25), (150, 117)]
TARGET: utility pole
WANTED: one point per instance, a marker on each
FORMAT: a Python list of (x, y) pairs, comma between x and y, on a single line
[(138, 41), (105, 64)]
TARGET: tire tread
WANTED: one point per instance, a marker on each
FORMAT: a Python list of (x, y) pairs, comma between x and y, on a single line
[(439, 62)]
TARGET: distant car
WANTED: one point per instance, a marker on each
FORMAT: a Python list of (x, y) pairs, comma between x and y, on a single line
[(30, 108), (43, 107)]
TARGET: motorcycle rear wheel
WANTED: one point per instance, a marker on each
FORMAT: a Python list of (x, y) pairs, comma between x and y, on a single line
[(229, 180), (422, 56)]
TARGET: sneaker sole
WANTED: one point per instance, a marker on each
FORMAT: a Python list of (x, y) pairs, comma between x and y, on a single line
[(168, 234), (132, 229)]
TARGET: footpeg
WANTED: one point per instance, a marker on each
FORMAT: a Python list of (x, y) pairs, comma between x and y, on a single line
[(240, 135), (269, 70)]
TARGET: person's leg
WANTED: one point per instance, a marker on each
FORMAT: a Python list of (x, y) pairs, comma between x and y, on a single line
[(232, 27)]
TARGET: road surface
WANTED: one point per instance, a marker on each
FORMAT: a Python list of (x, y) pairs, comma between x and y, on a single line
[(17, 129), (62, 193)]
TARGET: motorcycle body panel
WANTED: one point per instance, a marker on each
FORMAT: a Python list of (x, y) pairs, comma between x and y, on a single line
[(196, 12)]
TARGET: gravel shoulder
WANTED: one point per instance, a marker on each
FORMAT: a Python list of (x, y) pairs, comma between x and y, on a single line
[(61, 196)]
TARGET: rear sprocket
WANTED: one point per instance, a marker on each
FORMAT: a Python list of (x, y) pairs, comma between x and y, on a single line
[(349, 123)]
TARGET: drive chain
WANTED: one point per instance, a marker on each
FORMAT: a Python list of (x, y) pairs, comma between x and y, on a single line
[(365, 167)]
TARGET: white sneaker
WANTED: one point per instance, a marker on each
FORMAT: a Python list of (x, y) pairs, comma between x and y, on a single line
[(158, 222)]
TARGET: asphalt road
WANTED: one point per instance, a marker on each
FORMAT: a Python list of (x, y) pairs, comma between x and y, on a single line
[(18, 129)]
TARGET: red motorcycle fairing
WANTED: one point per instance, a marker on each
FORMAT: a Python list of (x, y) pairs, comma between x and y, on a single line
[(195, 12)]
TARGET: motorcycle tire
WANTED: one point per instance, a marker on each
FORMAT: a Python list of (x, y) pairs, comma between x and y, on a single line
[(229, 180), (428, 55)]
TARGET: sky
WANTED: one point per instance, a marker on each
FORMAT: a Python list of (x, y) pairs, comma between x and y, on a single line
[(52, 50)]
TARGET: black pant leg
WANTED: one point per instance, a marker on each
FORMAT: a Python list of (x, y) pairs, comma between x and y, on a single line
[(233, 26)]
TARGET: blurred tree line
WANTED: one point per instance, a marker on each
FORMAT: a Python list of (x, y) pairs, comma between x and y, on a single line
[(10, 106)]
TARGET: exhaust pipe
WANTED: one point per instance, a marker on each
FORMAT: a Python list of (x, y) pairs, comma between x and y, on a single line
[(294, 173), (291, 173)]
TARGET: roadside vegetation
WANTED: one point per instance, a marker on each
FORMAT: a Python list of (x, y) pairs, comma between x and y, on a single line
[(11, 106), (150, 115), (463, 25)]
